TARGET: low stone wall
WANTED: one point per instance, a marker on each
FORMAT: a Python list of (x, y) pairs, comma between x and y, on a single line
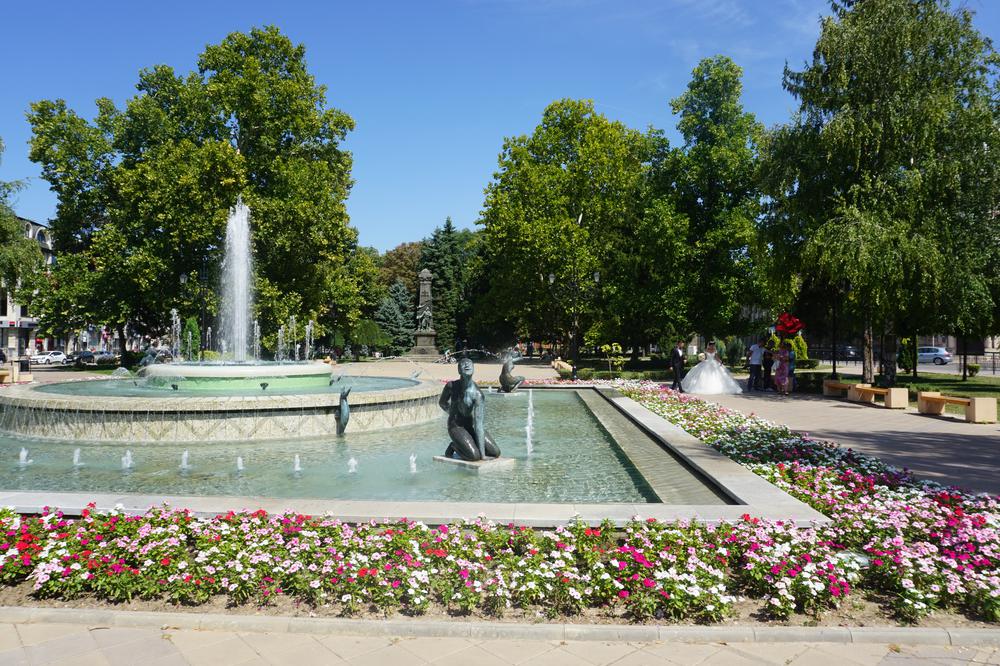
[(29, 413)]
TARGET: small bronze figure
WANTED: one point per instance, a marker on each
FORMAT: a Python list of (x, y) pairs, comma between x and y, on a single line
[(508, 381), (344, 412), (466, 407)]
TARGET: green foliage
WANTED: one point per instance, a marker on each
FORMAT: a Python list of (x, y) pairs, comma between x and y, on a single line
[(799, 347), (585, 374), (367, 333), (191, 332), (973, 369), (20, 257), (571, 200), (446, 255), (885, 178), (613, 355), (714, 179), (906, 354), (395, 318), (402, 263), (144, 192)]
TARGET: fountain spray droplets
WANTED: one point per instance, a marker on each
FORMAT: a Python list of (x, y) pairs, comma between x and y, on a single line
[(309, 340), (256, 340), (352, 466), (175, 333), (239, 464), (292, 334), (279, 353), (413, 463), (77, 464), (297, 465), (184, 462), (529, 427), (22, 459), (237, 279), (127, 463), (208, 338)]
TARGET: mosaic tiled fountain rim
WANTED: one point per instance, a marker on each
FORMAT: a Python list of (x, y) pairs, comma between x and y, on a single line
[(260, 418)]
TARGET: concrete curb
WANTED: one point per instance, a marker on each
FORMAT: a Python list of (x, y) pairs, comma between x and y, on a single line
[(505, 631)]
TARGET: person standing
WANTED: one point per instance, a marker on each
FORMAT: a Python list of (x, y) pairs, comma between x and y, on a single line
[(756, 359), (677, 363), (790, 385), (781, 369), (768, 364)]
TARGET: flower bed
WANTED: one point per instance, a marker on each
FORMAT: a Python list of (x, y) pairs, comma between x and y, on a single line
[(916, 544)]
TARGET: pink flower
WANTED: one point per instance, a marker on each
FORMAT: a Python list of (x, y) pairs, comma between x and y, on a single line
[(623, 594)]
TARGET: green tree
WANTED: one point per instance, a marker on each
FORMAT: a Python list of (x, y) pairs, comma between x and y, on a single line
[(395, 317), (144, 191), (402, 263), (20, 257), (714, 177), (885, 176), (573, 202), (446, 255)]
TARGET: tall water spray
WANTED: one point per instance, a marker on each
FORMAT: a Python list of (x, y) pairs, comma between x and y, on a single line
[(529, 427), (237, 283), (175, 333), (309, 340)]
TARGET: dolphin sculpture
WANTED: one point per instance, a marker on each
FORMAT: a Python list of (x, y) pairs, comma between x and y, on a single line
[(344, 412), (508, 380)]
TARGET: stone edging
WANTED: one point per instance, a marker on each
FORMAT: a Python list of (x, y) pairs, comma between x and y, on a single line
[(499, 630)]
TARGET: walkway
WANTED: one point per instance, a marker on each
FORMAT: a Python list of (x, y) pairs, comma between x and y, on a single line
[(83, 645), (943, 449)]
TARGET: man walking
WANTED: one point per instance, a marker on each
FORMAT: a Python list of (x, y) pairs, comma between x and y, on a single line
[(756, 358), (677, 358)]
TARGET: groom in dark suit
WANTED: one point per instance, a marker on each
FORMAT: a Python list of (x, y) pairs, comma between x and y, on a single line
[(677, 358)]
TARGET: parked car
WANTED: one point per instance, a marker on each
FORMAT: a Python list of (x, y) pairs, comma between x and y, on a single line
[(935, 355), (49, 357)]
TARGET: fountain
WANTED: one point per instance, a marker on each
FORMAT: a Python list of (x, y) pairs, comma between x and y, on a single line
[(238, 398), (529, 428), (22, 460), (76, 459), (297, 465), (184, 462), (239, 464), (413, 463), (352, 466), (127, 463)]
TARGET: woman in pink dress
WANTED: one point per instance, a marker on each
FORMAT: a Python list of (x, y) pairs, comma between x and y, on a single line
[(781, 368)]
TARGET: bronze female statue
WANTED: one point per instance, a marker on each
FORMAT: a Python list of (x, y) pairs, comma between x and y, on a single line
[(466, 407)]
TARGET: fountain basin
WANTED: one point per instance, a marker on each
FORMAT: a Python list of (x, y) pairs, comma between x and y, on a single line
[(213, 376), (39, 412)]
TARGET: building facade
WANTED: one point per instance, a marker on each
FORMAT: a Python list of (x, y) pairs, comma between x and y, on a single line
[(18, 326)]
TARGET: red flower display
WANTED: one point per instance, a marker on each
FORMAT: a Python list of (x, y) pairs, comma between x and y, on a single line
[(788, 325)]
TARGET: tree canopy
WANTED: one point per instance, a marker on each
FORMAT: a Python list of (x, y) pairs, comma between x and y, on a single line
[(144, 190), (20, 257)]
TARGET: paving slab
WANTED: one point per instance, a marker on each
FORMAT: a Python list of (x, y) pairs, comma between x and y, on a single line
[(949, 451)]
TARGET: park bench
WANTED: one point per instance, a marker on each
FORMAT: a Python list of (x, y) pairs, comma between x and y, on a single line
[(895, 398), (977, 410), (833, 387)]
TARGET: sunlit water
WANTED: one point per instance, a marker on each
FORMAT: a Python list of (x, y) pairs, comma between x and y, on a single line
[(573, 460)]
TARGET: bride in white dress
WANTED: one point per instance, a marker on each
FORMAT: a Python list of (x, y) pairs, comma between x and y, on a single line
[(710, 377)]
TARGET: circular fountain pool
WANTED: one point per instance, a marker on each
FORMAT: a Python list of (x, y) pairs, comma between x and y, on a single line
[(127, 410)]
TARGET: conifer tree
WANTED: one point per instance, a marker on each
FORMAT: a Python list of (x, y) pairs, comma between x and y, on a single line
[(395, 316)]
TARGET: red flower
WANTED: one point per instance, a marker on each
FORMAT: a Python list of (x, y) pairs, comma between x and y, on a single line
[(165, 561)]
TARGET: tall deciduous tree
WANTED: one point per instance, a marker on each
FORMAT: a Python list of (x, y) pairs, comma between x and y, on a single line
[(540, 258), (402, 263), (20, 258), (714, 177), (886, 175), (144, 191)]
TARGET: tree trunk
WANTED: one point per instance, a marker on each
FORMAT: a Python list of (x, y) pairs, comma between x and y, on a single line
[(122, 348), (913, 356), (867, 361)]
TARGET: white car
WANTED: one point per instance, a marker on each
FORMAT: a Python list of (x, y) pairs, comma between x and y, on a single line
[(935, 355), (45, 358)]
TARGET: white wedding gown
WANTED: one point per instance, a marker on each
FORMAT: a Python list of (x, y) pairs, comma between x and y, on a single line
[(710, 378)]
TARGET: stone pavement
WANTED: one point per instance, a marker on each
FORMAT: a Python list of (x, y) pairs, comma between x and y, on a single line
[(81, 644), (943, 449)]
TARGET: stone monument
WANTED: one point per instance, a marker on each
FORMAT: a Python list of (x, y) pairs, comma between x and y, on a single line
[(425, 346)]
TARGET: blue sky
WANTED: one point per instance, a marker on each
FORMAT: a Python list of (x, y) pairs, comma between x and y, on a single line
[(434, 86)]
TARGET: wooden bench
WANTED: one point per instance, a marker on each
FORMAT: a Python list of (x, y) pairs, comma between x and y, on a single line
[(977, 410), (833, 387), (895, 398)]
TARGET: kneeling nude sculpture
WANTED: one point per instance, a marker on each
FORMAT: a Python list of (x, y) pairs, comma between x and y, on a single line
[(466, 407)]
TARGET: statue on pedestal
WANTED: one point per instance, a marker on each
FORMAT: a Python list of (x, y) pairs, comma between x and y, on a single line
[(508, 380), (466, 407)]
